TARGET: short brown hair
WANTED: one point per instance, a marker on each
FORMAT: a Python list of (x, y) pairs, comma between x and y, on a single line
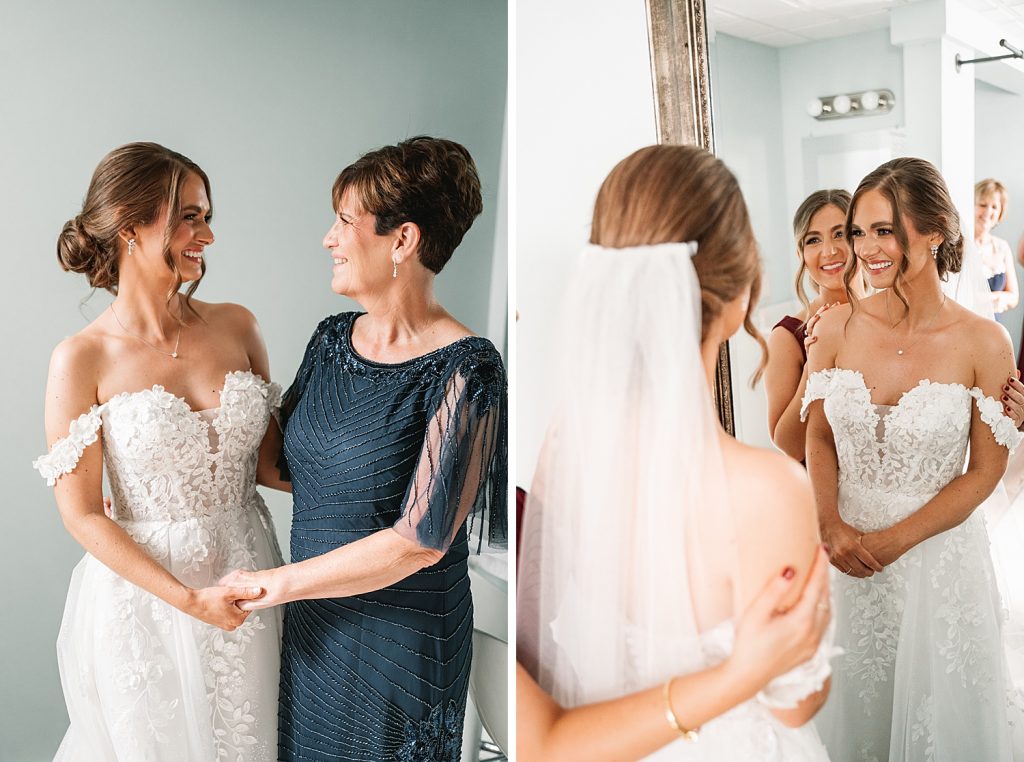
[(431, 182), (914, 189), (672, 193), (992, 187), (129, 187)]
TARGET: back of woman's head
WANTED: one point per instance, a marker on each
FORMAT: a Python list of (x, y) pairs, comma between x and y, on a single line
[(131, 185), (811, 205), (669, 193)]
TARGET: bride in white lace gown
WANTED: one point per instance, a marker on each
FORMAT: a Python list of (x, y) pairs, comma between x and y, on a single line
[(649, 531), (157, 662), (908, 380)]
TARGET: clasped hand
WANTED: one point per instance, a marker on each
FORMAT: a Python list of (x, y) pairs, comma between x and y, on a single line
[(854, 553), (270, 595)]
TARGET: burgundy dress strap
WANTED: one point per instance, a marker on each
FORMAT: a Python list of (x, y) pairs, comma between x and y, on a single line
[(796, 327)]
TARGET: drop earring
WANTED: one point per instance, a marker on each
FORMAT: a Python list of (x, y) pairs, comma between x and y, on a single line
[(131, 246), (935, 251), (394, 270)]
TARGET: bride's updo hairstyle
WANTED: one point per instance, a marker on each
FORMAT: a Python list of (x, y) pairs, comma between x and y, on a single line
[(131, 186), (916, 193), (675, 194)]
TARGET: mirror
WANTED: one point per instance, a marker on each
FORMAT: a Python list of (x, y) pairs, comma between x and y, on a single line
[(772, 67)]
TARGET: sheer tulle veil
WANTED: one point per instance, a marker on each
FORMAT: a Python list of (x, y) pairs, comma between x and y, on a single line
[(629, 502)]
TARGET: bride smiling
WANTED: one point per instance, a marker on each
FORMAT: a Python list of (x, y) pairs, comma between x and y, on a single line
[(900, 383), (172, 397)]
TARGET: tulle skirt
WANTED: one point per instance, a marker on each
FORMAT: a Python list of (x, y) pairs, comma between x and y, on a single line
[(924, 675), (145, 682)]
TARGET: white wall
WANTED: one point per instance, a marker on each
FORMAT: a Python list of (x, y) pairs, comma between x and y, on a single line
[(584, 101), (763, 132), (272, 99), (997, 152)]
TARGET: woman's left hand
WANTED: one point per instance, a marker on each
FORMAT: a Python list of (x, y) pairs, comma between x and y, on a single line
[(264, 579), (1013, 399), (880, 545)]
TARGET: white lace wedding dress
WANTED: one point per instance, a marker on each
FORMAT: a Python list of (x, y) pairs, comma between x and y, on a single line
[(142, 680), (923, 676)]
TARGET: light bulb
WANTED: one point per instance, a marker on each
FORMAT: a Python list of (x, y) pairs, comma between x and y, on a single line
[(869, 100), (841, 103), (814, 107)]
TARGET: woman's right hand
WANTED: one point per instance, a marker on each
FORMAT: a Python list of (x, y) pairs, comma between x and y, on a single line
[(812, 322), (771, 642), (846, 551), (216, 605)]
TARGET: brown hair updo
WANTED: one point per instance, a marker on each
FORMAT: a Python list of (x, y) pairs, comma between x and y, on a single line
[(916, 192), (675, 194), (811, 205), (431, 182), (131, 185)]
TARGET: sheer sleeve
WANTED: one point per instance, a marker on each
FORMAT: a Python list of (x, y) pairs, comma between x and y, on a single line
[(461, 473), (290, 399), (65, 453)]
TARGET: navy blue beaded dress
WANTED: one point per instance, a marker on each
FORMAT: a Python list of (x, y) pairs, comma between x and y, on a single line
[(419, 447)]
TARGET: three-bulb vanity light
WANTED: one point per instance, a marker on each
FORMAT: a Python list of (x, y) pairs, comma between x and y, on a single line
[(852, 104)]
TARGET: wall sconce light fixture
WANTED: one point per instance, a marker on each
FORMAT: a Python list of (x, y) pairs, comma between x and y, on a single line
[(852, 104)]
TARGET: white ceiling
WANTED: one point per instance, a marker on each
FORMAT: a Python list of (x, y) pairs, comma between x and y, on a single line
[(791, 22)]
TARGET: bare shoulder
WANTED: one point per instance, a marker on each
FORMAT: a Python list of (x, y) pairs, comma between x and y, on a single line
[(832, 322), (772, 483), (232, 318), (988, 338), (775, 522), (79, 356)]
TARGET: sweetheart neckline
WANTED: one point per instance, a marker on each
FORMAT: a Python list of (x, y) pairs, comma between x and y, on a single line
[(924, 382), (160, 388)]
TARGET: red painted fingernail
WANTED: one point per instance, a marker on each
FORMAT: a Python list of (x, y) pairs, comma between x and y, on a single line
[(788, 572)]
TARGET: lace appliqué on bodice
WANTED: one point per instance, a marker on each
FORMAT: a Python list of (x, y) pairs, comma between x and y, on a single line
[(923, 440)]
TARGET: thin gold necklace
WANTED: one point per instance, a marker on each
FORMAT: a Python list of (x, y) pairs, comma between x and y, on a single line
[(892, 326), (173, 355)]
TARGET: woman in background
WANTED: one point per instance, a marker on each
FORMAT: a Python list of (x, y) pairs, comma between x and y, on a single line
[(824, 254), (990, 201)]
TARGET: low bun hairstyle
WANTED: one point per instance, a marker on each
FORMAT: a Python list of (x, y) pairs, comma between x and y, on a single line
[(131, 185), (916, 193), (79, 252), (674, 194)]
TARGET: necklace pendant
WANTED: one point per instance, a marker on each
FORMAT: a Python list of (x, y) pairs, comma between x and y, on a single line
[(899, 351), (175, 355)]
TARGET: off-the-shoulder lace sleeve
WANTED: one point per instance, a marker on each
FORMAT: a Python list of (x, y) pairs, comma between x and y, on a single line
[(63, 456), (817, 386), (274, 401), (788, 690), (1002, 427)]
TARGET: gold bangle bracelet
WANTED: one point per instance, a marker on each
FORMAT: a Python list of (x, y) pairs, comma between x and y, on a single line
[(670, 715)]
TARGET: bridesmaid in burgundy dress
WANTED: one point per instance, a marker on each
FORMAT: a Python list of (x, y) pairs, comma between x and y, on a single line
[(818, 227)]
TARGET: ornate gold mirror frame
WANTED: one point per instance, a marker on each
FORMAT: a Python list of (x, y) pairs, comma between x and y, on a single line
[(678, 35)]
